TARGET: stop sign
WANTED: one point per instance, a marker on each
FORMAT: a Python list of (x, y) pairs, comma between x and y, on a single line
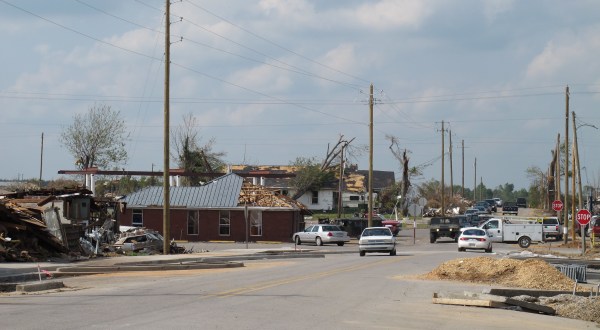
[(557, 205), (583, 217)]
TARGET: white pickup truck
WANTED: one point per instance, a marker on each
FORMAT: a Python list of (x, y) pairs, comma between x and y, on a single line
[(522, 233)]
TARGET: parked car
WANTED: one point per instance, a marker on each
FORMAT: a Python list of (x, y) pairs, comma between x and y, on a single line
[(521, 202), (471, 211), (552, 227), (377, 239), (483, 209), (493, 205), (149, 240), (322, 234), (394, 225), (485, 205), (498, 201), (510, 208), (474, 238)]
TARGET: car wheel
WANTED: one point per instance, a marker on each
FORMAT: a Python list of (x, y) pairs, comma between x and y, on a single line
[(524, 242), (318, 241), (297, 240), (559, 238), (488, 250), (362, 253), (432, 238), (461, 249), (393, 252), (340, 243)]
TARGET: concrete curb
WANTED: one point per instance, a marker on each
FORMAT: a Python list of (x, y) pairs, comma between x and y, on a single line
[(41, 286)]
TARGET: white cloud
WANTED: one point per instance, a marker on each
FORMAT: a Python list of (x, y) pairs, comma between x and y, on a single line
[(263, 78), (390, 14), (567, 55), (294, 10)]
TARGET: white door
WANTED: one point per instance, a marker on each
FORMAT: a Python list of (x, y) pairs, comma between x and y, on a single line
[(492, 227)]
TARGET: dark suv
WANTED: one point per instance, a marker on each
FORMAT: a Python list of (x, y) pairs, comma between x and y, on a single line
[(521, 202), (492, 204)]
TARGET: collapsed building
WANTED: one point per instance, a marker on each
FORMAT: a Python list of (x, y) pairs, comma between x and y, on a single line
[(44, 224)]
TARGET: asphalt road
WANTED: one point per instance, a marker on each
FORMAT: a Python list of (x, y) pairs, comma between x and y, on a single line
[(339, 291)]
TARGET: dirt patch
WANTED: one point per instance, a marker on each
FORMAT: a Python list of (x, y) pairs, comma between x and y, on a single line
[(529, 273)]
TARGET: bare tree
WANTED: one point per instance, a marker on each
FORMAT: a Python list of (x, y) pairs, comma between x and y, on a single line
[(96, 138), (190, 155), (310, 175)]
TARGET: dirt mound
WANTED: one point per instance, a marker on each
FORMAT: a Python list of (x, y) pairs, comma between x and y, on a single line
[(530, 273)]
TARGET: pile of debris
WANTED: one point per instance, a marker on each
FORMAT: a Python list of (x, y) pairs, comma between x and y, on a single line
[(24, 236), (529, 274)]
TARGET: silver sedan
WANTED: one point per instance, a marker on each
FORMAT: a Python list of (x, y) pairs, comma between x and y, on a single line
[(322, 234)]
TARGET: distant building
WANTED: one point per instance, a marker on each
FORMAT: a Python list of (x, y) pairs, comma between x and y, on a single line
[(354, 186)]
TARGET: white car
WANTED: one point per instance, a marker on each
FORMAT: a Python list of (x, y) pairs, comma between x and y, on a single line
[(322, 234), (377, 239), (474, 238)]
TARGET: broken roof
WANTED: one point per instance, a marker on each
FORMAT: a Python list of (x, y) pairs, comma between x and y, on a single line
[(227, 191)]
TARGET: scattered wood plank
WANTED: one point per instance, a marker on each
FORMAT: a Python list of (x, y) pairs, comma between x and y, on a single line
[(462, 300), (487, 300)]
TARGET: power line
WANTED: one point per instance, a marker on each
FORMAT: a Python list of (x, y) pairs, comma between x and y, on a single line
[(276, 44)]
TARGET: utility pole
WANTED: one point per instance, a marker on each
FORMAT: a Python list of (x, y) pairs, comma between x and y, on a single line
[(41, 159), (166, 167), (576, 156), (566, 221), (443, 184), (557, 180), (370, 211), (462, 191), (451, 172), (339, 204)]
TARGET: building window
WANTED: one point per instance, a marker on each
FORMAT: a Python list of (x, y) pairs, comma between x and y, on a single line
[(192, 222), (255, 223), (224, 223), (137, 218), (354, 197), (315, 197)]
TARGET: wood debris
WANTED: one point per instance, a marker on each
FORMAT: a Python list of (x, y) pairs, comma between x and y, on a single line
[(254, 195)]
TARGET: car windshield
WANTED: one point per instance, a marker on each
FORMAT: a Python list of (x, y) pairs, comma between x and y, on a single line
[(331, 228), (377, 232), (474, 232)]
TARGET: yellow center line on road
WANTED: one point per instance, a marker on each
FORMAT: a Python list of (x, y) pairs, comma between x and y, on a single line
[(274, 283)]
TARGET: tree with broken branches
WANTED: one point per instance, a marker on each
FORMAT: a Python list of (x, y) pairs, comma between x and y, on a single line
[(190, 155), (96, 138), (312, 175), (407, 172)]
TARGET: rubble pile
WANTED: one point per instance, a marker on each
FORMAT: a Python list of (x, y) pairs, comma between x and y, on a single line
[(530, 273), (24, 236)]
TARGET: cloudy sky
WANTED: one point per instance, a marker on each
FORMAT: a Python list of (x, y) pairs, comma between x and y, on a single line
[(272, 80)]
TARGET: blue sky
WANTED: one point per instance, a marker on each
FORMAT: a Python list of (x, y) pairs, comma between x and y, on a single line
[(273, 80)]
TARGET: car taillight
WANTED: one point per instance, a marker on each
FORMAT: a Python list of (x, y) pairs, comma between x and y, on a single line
[(481, 239), (329, 234), (464, 239)]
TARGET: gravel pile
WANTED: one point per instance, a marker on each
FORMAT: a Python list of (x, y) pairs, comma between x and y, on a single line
[(530, 273)]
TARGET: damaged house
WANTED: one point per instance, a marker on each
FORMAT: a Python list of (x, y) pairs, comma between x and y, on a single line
[(217, 211), (354, 188), (43, 223)]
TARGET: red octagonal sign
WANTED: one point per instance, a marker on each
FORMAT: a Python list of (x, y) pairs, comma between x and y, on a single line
[(583, 217), (557, 205)]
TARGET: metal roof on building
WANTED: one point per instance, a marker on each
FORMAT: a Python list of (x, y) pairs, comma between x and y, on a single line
[(219, 193)]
